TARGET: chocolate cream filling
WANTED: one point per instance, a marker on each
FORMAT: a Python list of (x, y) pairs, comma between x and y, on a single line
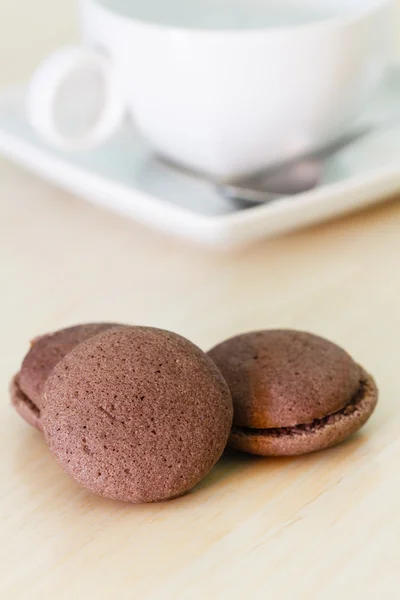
[(351, 407), (21, 398)]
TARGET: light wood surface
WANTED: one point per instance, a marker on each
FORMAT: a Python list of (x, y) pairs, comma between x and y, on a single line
[(320, 527)]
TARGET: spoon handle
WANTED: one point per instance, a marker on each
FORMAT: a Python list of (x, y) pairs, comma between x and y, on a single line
[(291, 176), (250, 195), (320, 153)]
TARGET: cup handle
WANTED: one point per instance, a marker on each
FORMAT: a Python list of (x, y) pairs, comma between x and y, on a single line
[(48, 83)]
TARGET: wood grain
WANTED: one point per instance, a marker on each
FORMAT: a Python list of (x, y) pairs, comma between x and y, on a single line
[(324, 526)]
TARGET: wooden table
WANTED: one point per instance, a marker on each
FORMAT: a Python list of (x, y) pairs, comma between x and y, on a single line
[(319, 527)]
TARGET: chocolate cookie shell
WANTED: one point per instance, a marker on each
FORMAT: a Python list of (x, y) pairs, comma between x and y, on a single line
[(137, 414), (46, 351), (293, 392)]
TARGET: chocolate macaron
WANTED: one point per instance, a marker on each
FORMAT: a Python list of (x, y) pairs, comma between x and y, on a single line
[(293, 392), (137, 414), (46, 351)]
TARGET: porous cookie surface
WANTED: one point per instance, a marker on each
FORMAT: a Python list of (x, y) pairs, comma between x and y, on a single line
[(46, 351), (280, 378), (136, 413)]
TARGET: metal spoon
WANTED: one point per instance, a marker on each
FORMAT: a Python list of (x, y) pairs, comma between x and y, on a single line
[(290, 177)]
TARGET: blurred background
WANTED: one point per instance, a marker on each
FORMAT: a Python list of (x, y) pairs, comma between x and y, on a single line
[(50, 25), (151, 277)]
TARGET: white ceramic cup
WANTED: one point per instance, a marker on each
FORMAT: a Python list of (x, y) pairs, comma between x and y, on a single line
[(222, 101)]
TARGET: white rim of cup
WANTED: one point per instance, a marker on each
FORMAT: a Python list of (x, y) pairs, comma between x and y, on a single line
[(340, 20)]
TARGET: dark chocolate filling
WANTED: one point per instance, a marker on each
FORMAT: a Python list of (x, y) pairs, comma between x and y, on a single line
[(347, 410)]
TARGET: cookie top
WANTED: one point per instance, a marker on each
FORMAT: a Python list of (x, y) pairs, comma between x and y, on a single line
[(137, 414), (282, 378), (46, 351)]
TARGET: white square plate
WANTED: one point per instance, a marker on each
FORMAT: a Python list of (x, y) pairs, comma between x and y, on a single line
[(123, 176)]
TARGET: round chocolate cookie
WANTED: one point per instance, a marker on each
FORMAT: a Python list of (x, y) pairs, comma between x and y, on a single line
[(293, 392), (137, 414), (46, 351)]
